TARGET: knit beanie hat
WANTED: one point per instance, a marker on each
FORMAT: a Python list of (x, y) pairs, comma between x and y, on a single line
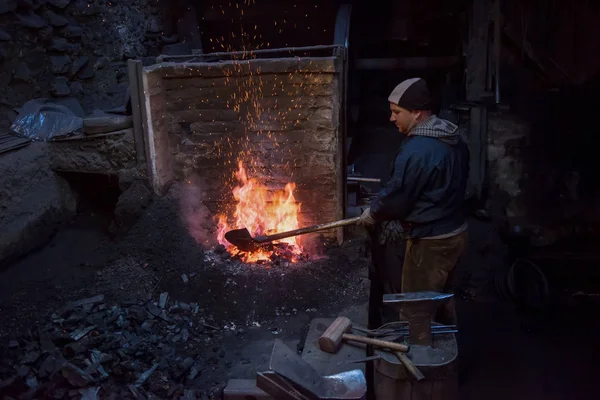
[(411, 94)]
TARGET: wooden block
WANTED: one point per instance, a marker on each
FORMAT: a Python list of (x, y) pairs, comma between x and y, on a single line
[(244, 389)]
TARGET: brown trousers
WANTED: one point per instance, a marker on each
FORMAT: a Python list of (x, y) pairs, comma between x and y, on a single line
[(429, 264)]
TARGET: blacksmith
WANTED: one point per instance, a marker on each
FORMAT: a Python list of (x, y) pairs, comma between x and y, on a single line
[(425, 193)]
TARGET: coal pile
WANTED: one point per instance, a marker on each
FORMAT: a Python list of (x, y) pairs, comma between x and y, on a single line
[(91, 350)]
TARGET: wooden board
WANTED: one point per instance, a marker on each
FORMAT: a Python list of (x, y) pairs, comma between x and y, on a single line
[(10, 142), (325, 363)]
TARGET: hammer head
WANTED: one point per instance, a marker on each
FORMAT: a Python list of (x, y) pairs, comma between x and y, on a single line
[(331, 340), (419, 308), (416, 302)]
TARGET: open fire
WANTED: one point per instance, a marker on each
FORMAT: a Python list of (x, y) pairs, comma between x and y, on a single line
[(262, 212)]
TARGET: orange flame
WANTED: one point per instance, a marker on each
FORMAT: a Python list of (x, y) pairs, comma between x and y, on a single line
[(262, 213)]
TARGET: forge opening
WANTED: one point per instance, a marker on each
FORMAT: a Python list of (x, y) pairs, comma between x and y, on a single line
[(265, 153)]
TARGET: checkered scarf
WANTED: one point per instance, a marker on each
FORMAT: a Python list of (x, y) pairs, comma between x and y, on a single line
[(437, 128)]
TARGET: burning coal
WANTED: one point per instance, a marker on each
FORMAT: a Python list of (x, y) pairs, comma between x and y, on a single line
[(262, 212)]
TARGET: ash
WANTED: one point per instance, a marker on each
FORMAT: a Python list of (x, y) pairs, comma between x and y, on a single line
[(281, 260)]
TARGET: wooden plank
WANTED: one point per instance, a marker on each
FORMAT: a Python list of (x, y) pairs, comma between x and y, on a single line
[(478, 148), (93, 137), (13, 146), (134, 68)]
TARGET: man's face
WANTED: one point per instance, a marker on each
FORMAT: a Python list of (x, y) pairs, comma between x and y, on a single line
[(403, 119)]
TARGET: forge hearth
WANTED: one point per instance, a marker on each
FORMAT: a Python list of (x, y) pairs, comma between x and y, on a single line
[(279, 117)]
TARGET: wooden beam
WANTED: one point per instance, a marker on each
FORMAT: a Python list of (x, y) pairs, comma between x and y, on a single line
[(137, 95), (477, 50)]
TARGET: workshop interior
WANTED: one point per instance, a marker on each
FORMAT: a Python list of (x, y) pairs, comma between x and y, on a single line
[(184, 186)]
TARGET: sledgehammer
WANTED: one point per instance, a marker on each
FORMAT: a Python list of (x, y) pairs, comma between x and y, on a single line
[(331, 340)]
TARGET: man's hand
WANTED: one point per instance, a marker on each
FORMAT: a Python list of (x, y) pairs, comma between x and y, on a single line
[(366, 219)]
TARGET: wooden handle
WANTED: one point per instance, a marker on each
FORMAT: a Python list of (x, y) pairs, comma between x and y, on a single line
[(376, 342), (331, 339), (410, 367), (309, 229)]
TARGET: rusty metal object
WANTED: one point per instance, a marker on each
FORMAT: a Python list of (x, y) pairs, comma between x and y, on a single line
[(419, 308)]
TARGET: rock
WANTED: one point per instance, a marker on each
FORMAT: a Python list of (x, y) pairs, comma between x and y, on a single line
[(76, 88), (7, 6), (59, 3), (154, 25), (130, 205), (5, 36), (87, 72), (31, 212), (100, 63), (55, 20), (127, 177), (27, 4), (22, 73), (32, 21), (76, 376), (60, 64), (82, 8), (60, 45), (71, 31), (39, 3), (78, 64), (60, 87)]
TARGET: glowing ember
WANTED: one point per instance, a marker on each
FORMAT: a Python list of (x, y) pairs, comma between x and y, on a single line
[(262, 213)]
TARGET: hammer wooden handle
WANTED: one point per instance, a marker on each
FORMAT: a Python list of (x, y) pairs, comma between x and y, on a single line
[(376, 342), (410, 367)]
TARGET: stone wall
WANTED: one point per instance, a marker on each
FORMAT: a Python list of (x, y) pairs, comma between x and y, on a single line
[(34, 202), (72, 48), (279, 116)]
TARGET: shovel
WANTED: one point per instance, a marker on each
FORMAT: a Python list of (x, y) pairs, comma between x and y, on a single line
[(242, 239)]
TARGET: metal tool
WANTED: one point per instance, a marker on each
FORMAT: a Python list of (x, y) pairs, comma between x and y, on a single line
[(419, 308), (402, 329), (331, 340), (360, 360), (243, 240), (361, 179), (350, 385)]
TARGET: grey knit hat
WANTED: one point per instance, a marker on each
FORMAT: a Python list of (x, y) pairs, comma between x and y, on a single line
[(411, 94)]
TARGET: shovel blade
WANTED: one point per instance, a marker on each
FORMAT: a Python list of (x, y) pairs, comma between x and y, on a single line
[(242, 239)]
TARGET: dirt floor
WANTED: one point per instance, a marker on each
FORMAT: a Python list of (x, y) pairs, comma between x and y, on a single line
[(231, 315), (236, 311)]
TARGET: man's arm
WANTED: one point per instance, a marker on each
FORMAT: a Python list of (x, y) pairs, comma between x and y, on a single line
[(397, 199)]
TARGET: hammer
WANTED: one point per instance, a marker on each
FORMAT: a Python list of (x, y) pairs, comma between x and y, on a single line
[(331, 340)]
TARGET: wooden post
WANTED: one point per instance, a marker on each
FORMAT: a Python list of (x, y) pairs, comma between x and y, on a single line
[(134, 69), (477, 50)]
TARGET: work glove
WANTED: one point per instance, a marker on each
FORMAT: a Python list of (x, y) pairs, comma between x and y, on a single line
[(366, 219)]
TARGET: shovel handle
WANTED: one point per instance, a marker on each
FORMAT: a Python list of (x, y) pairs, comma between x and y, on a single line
[(308, 229)]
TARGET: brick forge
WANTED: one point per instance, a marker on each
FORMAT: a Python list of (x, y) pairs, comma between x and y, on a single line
[(281, 117)]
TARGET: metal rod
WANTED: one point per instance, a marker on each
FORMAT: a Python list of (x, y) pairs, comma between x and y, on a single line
[(359, 179), (251, 52)]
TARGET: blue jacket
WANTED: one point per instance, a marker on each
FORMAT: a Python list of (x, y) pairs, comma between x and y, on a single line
[(428, 183)]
